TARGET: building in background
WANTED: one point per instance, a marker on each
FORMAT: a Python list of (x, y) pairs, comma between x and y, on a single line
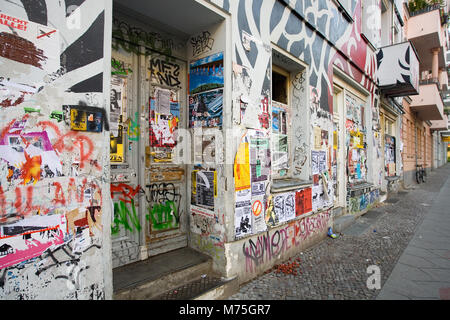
[(424, 114), (239, 129)]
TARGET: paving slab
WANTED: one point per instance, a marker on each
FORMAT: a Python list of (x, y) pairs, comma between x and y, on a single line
[(420, 257)]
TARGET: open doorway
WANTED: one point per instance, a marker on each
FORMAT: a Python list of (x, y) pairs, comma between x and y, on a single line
[(155, 52)]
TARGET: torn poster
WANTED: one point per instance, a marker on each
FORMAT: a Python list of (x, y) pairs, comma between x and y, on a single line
[(206, 188), (29, 238), (116, 149), (117, 103), (242, 166), (162, 101), (243, 213), (13, 94), (284, 206), (260, 161), (86, 119), (206, 73), (39, 42), (29, 156), (317, 138), (164, 119), (280, 155), (205, 109), (258, 213)]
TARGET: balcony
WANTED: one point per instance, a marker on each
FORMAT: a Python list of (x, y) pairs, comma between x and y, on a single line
[(428, 103), (398, 70), (425, 31), (439, 125)]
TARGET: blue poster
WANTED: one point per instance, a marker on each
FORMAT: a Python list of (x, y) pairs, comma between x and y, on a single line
[(205, 109), (206, 74)]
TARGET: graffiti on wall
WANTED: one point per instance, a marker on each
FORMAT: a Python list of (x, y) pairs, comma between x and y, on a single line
[(50, 171), (164, 210), (272, 244), (202, 43)]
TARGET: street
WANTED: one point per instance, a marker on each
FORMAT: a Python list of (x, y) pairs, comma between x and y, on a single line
[(407, 237)]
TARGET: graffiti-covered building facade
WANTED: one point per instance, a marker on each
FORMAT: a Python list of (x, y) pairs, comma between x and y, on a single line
[(240, 129)]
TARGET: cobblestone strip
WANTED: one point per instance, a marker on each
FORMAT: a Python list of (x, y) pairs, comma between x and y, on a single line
[(337, 268)]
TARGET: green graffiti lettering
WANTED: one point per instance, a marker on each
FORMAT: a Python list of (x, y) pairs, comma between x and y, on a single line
[(122, 214), (163, 215)]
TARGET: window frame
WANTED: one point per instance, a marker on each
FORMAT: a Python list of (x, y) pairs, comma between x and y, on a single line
[(276, 172)]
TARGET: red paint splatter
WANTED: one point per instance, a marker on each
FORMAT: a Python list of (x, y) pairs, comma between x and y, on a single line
[(31, 170)]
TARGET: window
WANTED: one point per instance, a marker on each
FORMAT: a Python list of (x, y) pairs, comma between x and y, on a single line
[(288, 107), (280, 114)]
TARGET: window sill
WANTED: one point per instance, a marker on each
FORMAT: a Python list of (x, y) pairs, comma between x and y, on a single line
[(392, 178), (289, 184)]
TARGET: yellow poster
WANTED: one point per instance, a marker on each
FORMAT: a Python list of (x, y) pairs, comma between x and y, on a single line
[(317, 138), (116, 147), (242, 167), (335, 140), (78, 120)]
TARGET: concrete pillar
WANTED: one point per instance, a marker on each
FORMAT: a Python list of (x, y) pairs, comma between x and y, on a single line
[(435, 63)]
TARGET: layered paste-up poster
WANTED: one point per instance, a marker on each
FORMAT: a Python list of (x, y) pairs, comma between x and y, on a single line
[(164, 120), (25, 45), (206, 188), (206, 91), (284, 206), (116, 112), (243, 213), (252, 170)]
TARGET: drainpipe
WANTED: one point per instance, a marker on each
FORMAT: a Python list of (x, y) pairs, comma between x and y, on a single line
[(415, 135), (392, 21)]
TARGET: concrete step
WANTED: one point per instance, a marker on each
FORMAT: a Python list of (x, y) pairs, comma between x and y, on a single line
[(207, 287), (221, 292), (150, 278), (343, 222)]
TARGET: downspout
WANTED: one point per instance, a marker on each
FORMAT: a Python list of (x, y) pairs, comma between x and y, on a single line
[(392, 21)]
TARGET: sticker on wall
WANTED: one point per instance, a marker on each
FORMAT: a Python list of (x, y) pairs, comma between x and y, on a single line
[(88, 119)]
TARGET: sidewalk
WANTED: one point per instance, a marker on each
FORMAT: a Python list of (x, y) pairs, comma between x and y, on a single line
[(423, 270)]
